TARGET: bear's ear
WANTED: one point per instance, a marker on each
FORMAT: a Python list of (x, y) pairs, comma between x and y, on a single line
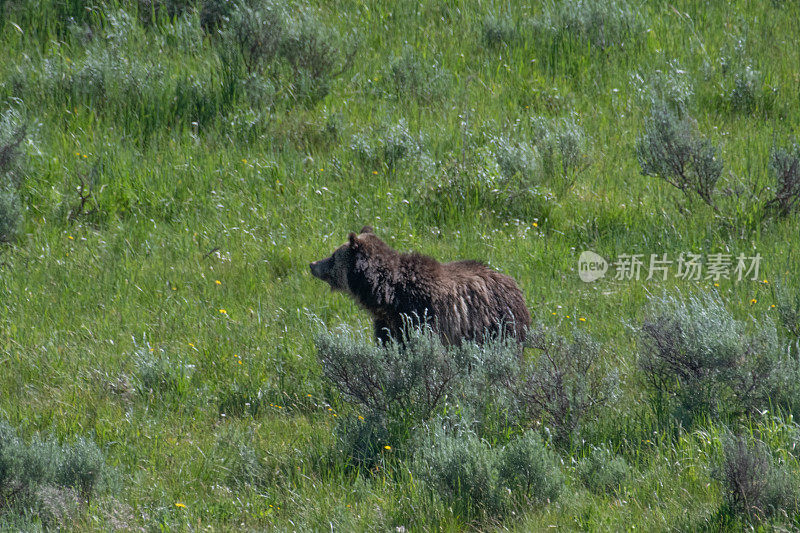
[(367, 229), (352, 238)]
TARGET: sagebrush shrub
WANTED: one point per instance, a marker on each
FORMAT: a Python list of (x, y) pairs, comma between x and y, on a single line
[(272, 41), (601, 471), (743, 88), (409, 75), (603, 24), (484, 481), (754, 483), (462, 468), (784, 164), (566, 382), (244, 466), (258, 32), (671, 149), (516, 159), (787, 303), (671, 86), (12, 134), (478, 185), (404, 379), (696, 354), (497, 30), (44, 478), (82, 467), (562, 148), (530, 471)]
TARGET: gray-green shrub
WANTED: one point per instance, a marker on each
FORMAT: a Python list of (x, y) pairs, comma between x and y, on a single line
[(298, 47), (497, 30), (601, 471), (566, 382), (484, 481), (701, 361), (784, 163), (603, 24), (42, 476), (12, 134), (462, 468), (408, 379), (530, 471), (754, 483), (672, 149), (562, 146), (671, 86), (517, 159), (409, 75)]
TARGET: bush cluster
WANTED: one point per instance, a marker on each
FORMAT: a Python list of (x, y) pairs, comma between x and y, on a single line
[(565, 383), (12, 133), (138, 91), (439, 405), (601, 471), (743, 89), (670, 85), (477, 184), (755, 484), (46, 478), (408, 75), (272, 42), (497, 30), (387, 147), (784, 164), (552, 152), (701, 361), (672, 149), (603, 24), (480, 480)]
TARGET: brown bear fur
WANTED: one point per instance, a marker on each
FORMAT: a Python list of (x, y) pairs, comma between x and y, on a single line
[(459, 300)]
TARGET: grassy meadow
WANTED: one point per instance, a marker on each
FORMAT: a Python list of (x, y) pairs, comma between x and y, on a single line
[(169, 168)]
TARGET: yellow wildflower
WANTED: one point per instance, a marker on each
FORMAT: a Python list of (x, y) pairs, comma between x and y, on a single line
[(180, 505)]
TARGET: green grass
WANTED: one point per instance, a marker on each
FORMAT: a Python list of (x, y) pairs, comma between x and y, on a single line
[(209, 196)]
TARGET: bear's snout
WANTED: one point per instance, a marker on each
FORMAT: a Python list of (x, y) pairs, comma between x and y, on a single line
[(319, 270)]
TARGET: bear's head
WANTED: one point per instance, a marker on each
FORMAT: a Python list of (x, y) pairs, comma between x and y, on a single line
[(337, 269)]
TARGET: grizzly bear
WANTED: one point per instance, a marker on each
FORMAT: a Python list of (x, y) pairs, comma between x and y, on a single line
[(462, 300)]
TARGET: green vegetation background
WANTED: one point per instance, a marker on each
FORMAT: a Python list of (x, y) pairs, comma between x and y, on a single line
[(170, 317)]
